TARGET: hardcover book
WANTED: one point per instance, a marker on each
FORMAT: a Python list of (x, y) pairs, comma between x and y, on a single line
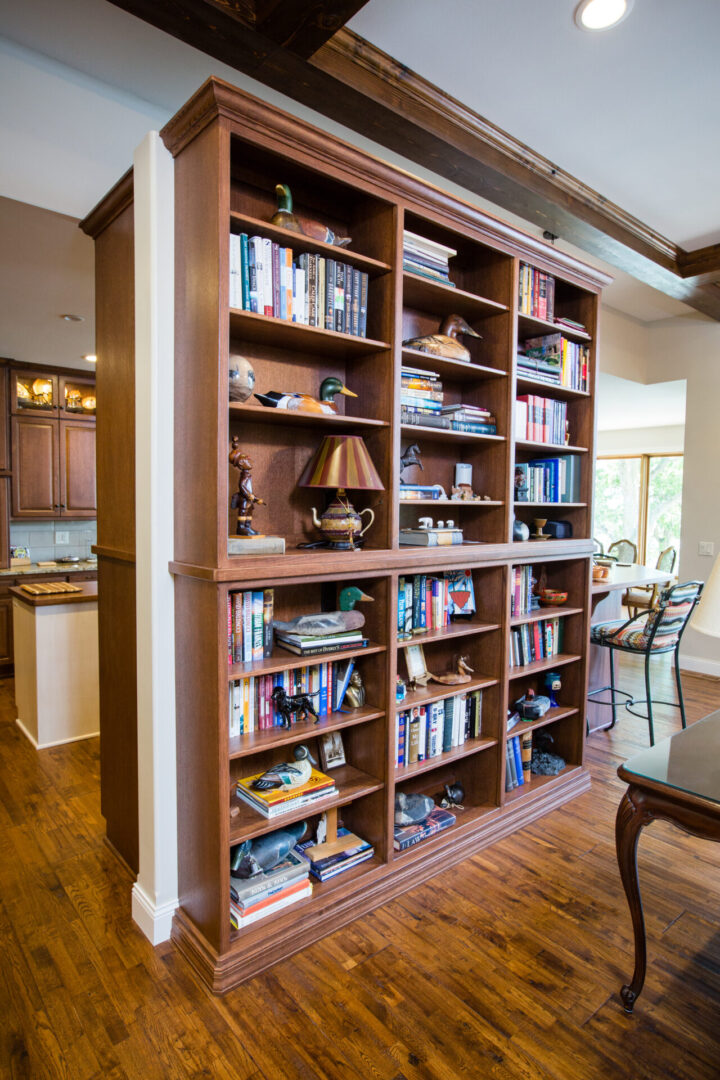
[(406, 836)]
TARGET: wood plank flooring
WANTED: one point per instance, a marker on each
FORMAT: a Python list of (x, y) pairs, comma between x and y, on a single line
[(507, 966)]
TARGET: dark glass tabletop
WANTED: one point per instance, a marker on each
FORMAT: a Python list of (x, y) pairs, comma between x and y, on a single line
[(688, 761)]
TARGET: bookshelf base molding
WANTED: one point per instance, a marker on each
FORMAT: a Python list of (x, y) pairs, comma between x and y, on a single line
[(259, 949)]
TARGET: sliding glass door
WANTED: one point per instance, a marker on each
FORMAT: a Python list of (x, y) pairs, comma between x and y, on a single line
[(640, 499)]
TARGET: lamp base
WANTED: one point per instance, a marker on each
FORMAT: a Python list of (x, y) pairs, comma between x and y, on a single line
[(341, 526)]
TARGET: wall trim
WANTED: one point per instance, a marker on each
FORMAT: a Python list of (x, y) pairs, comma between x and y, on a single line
[(700, 665), (155, 920), (58, 742)]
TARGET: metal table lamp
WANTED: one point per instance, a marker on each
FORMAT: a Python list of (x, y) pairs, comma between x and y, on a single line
[(342, 461)]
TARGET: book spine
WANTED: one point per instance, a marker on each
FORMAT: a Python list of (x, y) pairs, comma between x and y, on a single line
[(245, 271), (321, 283), (330, 272), (349, 279), (267, 269), (339, 297), (268, 605), (518, 760), (312, 290), (362, 317)]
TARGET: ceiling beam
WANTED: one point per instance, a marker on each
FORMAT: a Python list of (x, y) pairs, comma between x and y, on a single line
[(303, 27), (356, 84)]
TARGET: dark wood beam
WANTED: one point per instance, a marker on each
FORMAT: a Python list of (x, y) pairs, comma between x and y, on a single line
[(356, 84), (303, 27)]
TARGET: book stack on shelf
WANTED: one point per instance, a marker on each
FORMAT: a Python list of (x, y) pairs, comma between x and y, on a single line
[(284, 800), (536, 293), (252, 707), (427, 731), (518, 759), (539, 419), (427, 258), (555, 360), (548, 480), (270, 891), (406, 836), (310, 289), (421, 396), (250, 624), (523, 600), (334, 857), (539, 640), (310, 645), (473, 418), (430, 602)]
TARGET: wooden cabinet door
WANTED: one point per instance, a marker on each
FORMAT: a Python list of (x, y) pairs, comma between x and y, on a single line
[(4, 426), (35, 480), (77, 469), (6, 633)]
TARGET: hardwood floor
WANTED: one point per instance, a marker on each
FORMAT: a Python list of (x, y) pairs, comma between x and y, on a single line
[(507, 966)]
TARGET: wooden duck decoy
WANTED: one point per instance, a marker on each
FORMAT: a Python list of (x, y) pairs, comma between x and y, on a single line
[(445, 343), (330, 622), (325, 404), (252, 857), (299, 223), (288, 774)]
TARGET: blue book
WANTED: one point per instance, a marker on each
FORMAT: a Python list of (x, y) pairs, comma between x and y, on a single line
[(343, 681), (515, 742)]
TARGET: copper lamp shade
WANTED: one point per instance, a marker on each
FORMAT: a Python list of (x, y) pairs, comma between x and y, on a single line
[(342, 461)]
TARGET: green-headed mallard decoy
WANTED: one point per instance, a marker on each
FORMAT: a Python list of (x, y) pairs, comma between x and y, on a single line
[(329, 622), (288, 774), (298, 223), (445, 343), (328, 389)]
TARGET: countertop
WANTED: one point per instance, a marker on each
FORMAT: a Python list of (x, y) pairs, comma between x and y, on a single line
[(88, 593), (57, 568)]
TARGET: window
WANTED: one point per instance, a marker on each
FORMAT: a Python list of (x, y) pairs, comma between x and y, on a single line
[(639, 499)]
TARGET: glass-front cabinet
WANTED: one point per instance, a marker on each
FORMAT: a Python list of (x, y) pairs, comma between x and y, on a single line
[(77, 396), (32, 391)]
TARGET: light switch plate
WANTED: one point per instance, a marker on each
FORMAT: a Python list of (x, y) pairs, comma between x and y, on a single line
[(62, 537), (706, 547)]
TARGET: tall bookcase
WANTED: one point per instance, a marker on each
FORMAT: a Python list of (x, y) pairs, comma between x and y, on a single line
[(230, 151)]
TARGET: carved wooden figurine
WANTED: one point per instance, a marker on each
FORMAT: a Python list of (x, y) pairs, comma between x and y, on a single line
[(243, 500)]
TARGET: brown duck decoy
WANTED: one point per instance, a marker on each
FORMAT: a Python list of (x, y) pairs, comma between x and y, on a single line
[(306, 226), (445, 343)]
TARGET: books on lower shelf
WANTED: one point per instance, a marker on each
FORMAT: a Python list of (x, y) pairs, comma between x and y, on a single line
[(536, 293), (431, 601), (307, 644), (244, 916), (518, 760), (334, 857), (549, 479), (250, 623), (540, 419), (427, 258), (522, 599), (539, 640), (251, 706), (405, 836), (466, 420), (423, 732), (553, 358), (309, 289), (285, 799)]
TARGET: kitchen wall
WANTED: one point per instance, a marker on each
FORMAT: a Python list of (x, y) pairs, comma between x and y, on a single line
[(54, 539)]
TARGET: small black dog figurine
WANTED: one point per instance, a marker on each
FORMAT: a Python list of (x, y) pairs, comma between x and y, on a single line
[(299, 704)]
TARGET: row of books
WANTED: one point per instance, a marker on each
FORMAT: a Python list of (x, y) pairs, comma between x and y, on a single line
[(430, 602), (427, 731), (334, 857), (541, 419), (280, 801), (250, 625), (272, 890), (458, 418), (252, 707), (422, 395), (421, 391), (427, 258), (406, 836), (518, 760), (554, 359), (316, 645), (536, 293), (538, 640), (522, 599), (309, 289), (551, 479)]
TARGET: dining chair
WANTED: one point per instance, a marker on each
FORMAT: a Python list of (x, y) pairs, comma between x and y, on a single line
[(644, 597), (648, 634), (624, 551)]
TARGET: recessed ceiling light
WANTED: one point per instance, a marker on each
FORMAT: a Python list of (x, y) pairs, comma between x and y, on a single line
[(91, 357), (73, 318), (601, 14)]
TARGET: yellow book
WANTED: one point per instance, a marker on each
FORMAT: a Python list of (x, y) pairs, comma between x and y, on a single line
[(317, 784)]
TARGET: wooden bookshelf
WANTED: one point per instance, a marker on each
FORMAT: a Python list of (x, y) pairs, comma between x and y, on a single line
[(230, 151)]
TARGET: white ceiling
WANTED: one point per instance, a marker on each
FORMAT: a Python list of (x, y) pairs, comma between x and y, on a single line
[(625, 406), (82, 82)]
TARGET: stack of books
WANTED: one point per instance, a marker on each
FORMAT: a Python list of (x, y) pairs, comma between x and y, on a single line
[(472, 418), (556, 360), (427, 731), (250, 621), (309, 289), (536, 293), (540, 419), (548, 480), (570, 324), (252, 707), (427, 258), (406, 836), (421, 393), (523, 600), (284, 800), (539, 640), (414, 492), (256, 897), (335, 856), (307, 645)]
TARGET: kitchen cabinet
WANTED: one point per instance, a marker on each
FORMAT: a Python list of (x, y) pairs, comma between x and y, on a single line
[(53, 468)]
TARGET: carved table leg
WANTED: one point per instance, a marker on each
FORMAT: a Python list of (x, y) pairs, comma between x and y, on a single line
[(631, 818)]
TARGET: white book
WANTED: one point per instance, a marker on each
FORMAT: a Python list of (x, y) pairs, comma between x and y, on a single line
[(235, 296), (252, 721), (521, 419), (235, 709), (422, 740), (429, 247), (256, 278), (267, 277), (299, 297)]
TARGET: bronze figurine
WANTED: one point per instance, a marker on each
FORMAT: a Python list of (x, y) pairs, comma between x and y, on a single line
[(243, 500)]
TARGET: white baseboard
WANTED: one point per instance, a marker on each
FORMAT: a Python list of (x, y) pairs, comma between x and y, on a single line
[(58, 742), (154, 921), (700, 665)]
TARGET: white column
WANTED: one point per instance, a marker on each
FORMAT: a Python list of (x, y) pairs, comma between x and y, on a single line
[(154, 896)]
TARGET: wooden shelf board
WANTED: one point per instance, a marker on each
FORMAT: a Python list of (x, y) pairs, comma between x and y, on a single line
[(532, 327), (260, 414), (282, 660), (438, 691), (545, 613), (351, 784), (459, 370), (549, 718), (439, 299), (446, 435), (561, 448), (299, 243), (555, 389), (466, 817), (542, 665), (282, 334), (568, 506), (527, 791), (273, 738), (460, 504), (471, 746), (456, 629)]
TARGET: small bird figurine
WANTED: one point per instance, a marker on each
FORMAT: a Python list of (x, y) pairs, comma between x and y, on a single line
[(298, 223), (330, 622), (288, 774), (328, 389), (445, 343)]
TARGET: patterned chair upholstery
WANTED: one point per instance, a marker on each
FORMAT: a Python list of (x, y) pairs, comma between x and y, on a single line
[(650, 633)]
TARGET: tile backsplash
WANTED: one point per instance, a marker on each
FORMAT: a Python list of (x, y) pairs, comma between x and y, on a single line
[(43, 538)]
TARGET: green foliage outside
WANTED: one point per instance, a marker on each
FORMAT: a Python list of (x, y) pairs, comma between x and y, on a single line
[(618, 498)]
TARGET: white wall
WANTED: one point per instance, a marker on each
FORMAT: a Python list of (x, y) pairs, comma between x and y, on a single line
[(646, 440)]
